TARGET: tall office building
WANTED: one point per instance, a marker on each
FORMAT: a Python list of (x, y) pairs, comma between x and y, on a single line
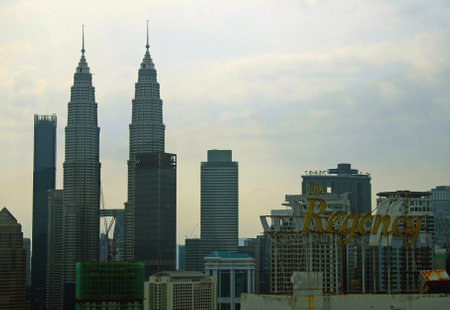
[(155, 217), (219, 202), (55, 251), (12, 264), (44, 175), (150, 212), (81, 199), (340, 180)]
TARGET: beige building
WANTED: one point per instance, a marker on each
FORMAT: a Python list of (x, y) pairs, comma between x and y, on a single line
[(180, 290)]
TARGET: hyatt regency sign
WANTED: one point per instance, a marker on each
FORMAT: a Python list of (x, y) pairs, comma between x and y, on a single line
[(316, 220)]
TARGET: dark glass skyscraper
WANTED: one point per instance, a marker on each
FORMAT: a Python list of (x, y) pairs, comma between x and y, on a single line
[(81, 198), (44, 174), (150, 212), (155, 211), (343, 179)]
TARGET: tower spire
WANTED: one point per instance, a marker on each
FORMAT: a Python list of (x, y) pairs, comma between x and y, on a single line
[(147, 46), (82, 40)]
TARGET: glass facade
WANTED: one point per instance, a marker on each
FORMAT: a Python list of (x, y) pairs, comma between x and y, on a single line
[(44, 174), (225, 283), (155, 211), (240, 282)]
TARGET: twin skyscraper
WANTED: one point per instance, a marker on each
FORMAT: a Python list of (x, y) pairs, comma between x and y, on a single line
[(150, 210)]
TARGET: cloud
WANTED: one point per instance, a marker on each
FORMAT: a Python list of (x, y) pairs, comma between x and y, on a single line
[(288, 86)]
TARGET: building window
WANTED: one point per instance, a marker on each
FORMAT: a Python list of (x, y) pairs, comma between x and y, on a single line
[(240, 282), (224, 283)]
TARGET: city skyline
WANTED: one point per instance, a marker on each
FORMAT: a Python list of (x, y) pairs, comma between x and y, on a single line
[(287, 87)]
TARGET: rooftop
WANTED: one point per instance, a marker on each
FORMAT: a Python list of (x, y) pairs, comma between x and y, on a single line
[(226, 254), (180, 274)]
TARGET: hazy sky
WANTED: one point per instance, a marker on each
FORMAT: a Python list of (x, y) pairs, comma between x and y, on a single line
[(288, 86)]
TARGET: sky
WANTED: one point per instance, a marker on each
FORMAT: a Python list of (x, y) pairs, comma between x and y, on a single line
[(288, 86)]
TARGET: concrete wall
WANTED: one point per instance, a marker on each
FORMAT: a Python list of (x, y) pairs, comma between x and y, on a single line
[(345, 302)]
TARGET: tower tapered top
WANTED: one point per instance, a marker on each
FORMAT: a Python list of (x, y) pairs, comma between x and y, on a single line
[(147, 46), (82, 40), (147, 62)]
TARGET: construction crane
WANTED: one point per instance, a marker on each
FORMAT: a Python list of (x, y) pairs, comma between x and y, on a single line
[(110, 244)]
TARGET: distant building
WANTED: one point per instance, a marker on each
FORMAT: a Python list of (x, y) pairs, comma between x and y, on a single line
[(340, 180), (155, 212), (13, 286), (27, 247), (118, 236), (219, 201), (44, 176), (103, 247), (110, 285), (440, 202), (181, 254), (219, 209), (259, 249), (194, 254), (188, 290), (235, 273), (55, 251)]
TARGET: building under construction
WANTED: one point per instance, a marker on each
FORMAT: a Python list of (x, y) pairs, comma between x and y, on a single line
[(292, 250), (110, 285)]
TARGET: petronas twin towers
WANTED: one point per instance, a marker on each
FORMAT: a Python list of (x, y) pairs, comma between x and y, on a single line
[(154, 184)]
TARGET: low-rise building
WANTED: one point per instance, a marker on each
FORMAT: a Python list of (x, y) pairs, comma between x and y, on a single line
[(235, 273), (170, 290), (109, 285)]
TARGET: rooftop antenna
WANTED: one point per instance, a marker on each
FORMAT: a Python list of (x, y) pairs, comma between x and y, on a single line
[(147, 46), (82, 40)]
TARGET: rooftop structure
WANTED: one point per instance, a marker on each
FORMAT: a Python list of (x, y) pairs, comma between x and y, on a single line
[(342, 179)]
